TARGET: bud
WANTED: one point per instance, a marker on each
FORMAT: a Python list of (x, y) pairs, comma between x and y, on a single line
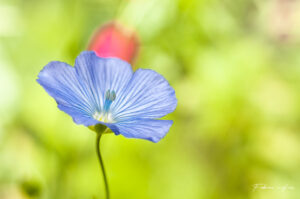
[(115, 40)]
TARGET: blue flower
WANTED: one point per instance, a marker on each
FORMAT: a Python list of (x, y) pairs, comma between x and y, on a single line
[(106, 91)]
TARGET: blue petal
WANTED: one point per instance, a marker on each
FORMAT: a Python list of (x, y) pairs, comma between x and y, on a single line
[(77, 116), (101, 74), (148, 95), (147, 129), (60, 81)]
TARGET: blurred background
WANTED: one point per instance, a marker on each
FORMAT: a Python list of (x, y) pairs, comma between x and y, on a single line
[(235, 67)]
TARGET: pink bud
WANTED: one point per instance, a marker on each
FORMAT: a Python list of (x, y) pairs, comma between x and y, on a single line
[(114, 40)]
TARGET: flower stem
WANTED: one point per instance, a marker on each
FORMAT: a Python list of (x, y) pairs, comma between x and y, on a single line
[(99, 134)]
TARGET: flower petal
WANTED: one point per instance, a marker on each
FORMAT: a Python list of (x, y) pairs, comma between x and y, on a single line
[(148, 95), (77, 116), (148, 129), (60, 81), (101, 74)]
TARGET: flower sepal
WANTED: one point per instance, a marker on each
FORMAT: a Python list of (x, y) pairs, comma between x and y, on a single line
[(100, 128)]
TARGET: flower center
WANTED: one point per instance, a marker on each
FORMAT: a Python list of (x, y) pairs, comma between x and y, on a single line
[(105, 115)]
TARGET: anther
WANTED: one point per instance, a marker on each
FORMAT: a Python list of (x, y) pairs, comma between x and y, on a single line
[(110, 96)]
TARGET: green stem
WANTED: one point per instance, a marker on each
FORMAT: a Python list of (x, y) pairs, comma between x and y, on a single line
[(99, 134)]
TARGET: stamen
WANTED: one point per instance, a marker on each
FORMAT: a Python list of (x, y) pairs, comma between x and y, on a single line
[(105, 115), (107, 94), (110, 96)]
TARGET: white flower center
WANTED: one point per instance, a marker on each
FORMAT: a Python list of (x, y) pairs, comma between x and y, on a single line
[(104, 117)]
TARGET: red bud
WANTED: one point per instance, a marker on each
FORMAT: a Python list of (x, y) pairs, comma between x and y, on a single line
[(114, 40)]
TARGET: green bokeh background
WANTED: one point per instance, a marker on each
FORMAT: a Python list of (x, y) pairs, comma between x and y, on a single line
[(235, 67)]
